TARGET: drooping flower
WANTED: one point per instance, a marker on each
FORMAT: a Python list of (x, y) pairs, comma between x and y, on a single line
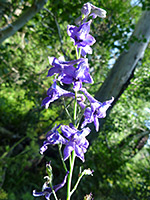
[(81, 37), (68, 74), (52, 137), (54, 93), (47, 191), (76, 141), (90, 9), (95, 111)]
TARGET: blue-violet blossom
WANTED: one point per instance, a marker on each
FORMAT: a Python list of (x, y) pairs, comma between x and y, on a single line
[(90, 9), (52, 137), (96, 111), (54, 93), (72, 138), (69, 74), (81, 37), (76, 141)]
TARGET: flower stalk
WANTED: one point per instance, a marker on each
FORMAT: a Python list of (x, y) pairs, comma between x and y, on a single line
[(61, 157), (72, 160), (76, 73)]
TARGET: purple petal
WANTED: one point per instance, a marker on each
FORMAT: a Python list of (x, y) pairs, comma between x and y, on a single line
[(43, 149), (90, 9), (86, 9), (37, 194), (96, 123), (54, 70), (68, 149), (82, 72), (54, 93), (103, 108), (69, 70), (53, 137), (86, 50), (90, 98), (57, 187), (67, 79), (85, 145), (46, 102), (97, 12), (77, 85), (85, 132), (67, 131), (95, 107), (81, 104), (79, 153), (88, 40), (88, 117), (46, 192)]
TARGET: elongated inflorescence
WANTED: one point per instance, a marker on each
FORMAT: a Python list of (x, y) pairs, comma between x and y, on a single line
[(75, 73)]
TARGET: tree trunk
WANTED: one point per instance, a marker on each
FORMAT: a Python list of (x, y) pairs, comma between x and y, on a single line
[(119, 76), (10, 29)]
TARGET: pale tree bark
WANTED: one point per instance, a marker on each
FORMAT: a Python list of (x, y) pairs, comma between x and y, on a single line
[(119, 76), (26, 15)]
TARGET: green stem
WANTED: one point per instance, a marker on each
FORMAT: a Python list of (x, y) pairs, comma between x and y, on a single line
[(53, 191), (54, 195), (75, 109), (72, 159), (77, 183), (78, 52), (67, 110), (72, 156), (64, 165)]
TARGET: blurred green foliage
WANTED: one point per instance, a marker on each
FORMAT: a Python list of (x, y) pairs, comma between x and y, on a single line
[(118, 157)]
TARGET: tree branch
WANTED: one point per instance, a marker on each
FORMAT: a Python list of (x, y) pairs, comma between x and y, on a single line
[(26, 15), (123, 70)]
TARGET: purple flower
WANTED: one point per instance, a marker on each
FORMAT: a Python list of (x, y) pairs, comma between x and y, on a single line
[(96, 111), (78, 75), (81, 37), (72, 138), (69, 74), (60, 65), (54, 93), (89, 9), (47, 191), (52, 137), (76, 141)]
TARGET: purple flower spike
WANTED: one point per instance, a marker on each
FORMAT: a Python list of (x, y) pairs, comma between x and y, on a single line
[(81, 37), (47, 191), (54, 93), (96, 111), (52, 137), (76, 141)]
